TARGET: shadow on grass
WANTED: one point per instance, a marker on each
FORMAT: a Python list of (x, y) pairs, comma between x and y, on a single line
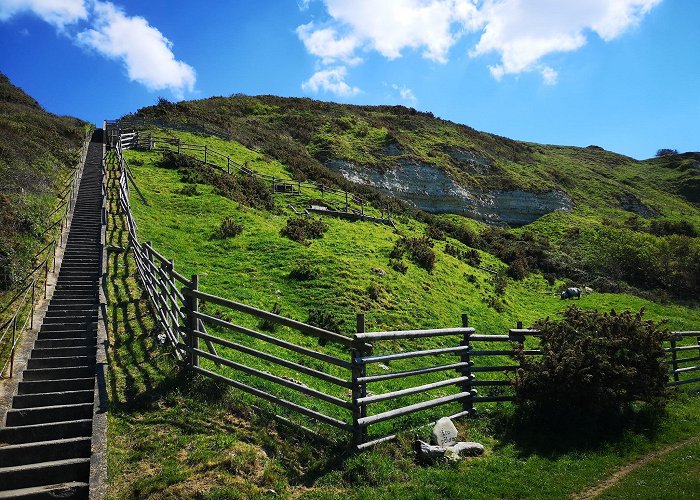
[(552, 437)]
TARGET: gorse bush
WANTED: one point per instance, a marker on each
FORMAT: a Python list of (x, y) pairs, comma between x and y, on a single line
[(326, 319), (301, 229), (248, 191), (305, 271), (229, 228), (593, 367), (420, 251)]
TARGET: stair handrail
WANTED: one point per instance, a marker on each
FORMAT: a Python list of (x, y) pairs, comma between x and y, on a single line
[(66, 198)]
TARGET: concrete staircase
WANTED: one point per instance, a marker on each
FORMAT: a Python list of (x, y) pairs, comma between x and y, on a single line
[(46, 442)]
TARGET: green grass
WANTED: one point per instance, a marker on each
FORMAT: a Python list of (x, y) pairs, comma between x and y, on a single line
[(175, 435)]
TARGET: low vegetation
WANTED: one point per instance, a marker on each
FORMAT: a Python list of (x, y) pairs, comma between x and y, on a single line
[(593, 368), (37, 152)]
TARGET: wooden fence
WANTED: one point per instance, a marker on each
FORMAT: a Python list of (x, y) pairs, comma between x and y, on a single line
[(326, 376), (336, 202)]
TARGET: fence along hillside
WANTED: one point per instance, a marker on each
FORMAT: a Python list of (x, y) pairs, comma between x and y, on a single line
[(335, 202), (368, 386)]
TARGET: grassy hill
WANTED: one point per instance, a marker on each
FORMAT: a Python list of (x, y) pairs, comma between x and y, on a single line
[(37, 149), (632, 225), (175, 436)]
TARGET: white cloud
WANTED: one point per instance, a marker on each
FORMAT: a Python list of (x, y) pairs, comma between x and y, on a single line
[(521, 32), (549, 75), (326, 44), (143, 50), (330, 80), (405, 93), (524, 32), (59, 13)]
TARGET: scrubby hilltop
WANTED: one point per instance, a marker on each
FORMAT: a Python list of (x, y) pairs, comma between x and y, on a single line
[(586, 214)]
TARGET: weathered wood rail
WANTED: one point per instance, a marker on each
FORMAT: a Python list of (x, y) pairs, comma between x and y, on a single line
[(329, 381)]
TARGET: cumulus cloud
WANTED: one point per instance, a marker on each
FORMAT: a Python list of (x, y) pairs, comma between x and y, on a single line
[(59, 13), (330, 80), (144, 51), (405, 93), (522, 33)]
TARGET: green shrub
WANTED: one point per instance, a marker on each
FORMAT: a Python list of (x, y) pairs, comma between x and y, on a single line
[(323, 318), (301, 229), (419, 249), (189, 190), (499, 282), (398, 265), (518, 269), (305, 271), (436, 233), (229, 228), (593, 366), (269, 325)]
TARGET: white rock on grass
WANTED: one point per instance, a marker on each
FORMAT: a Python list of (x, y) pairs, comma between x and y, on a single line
[(444, 433)]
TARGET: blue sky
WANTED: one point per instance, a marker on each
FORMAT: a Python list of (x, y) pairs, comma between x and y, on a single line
[(621, 74)]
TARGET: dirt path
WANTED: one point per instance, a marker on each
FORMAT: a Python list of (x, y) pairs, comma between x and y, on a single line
[(624, 471)]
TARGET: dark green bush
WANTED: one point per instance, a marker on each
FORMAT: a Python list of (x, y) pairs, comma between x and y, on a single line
[(301, 229), (436, 233), (419, 249), (189, 190), (323, 318), (305, 271), (593, 366), (249, 191), (269, 325), (229, 228), (499, 282), (518, 269), (399, 265)]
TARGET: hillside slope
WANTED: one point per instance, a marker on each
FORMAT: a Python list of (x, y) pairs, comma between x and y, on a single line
[(36, 150), (589, 215), (438, 165)]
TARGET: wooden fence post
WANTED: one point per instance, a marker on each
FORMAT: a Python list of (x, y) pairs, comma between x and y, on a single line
[(347, 203), (205, 153), (465, 371), (674, 360), (192, 306), (228, 164), (359, 389)]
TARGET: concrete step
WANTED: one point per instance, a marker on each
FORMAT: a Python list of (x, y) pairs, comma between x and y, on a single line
[(65, 342), (58, 373), (44, 473), (56, 385), (44, 451), (18, 417), (61, 362), (53, 398), (67, 334), (51, 352), (69, 303), (53, 318), (53, 327), (46, 432)]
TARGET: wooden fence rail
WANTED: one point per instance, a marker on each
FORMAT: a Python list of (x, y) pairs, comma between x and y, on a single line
[(446, 366)]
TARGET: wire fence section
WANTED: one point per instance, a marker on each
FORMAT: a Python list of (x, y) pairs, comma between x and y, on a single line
[(330, 201), (19, 310), (370, 385)]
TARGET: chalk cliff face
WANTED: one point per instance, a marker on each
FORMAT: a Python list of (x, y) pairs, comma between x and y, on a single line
[(433, 190)]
